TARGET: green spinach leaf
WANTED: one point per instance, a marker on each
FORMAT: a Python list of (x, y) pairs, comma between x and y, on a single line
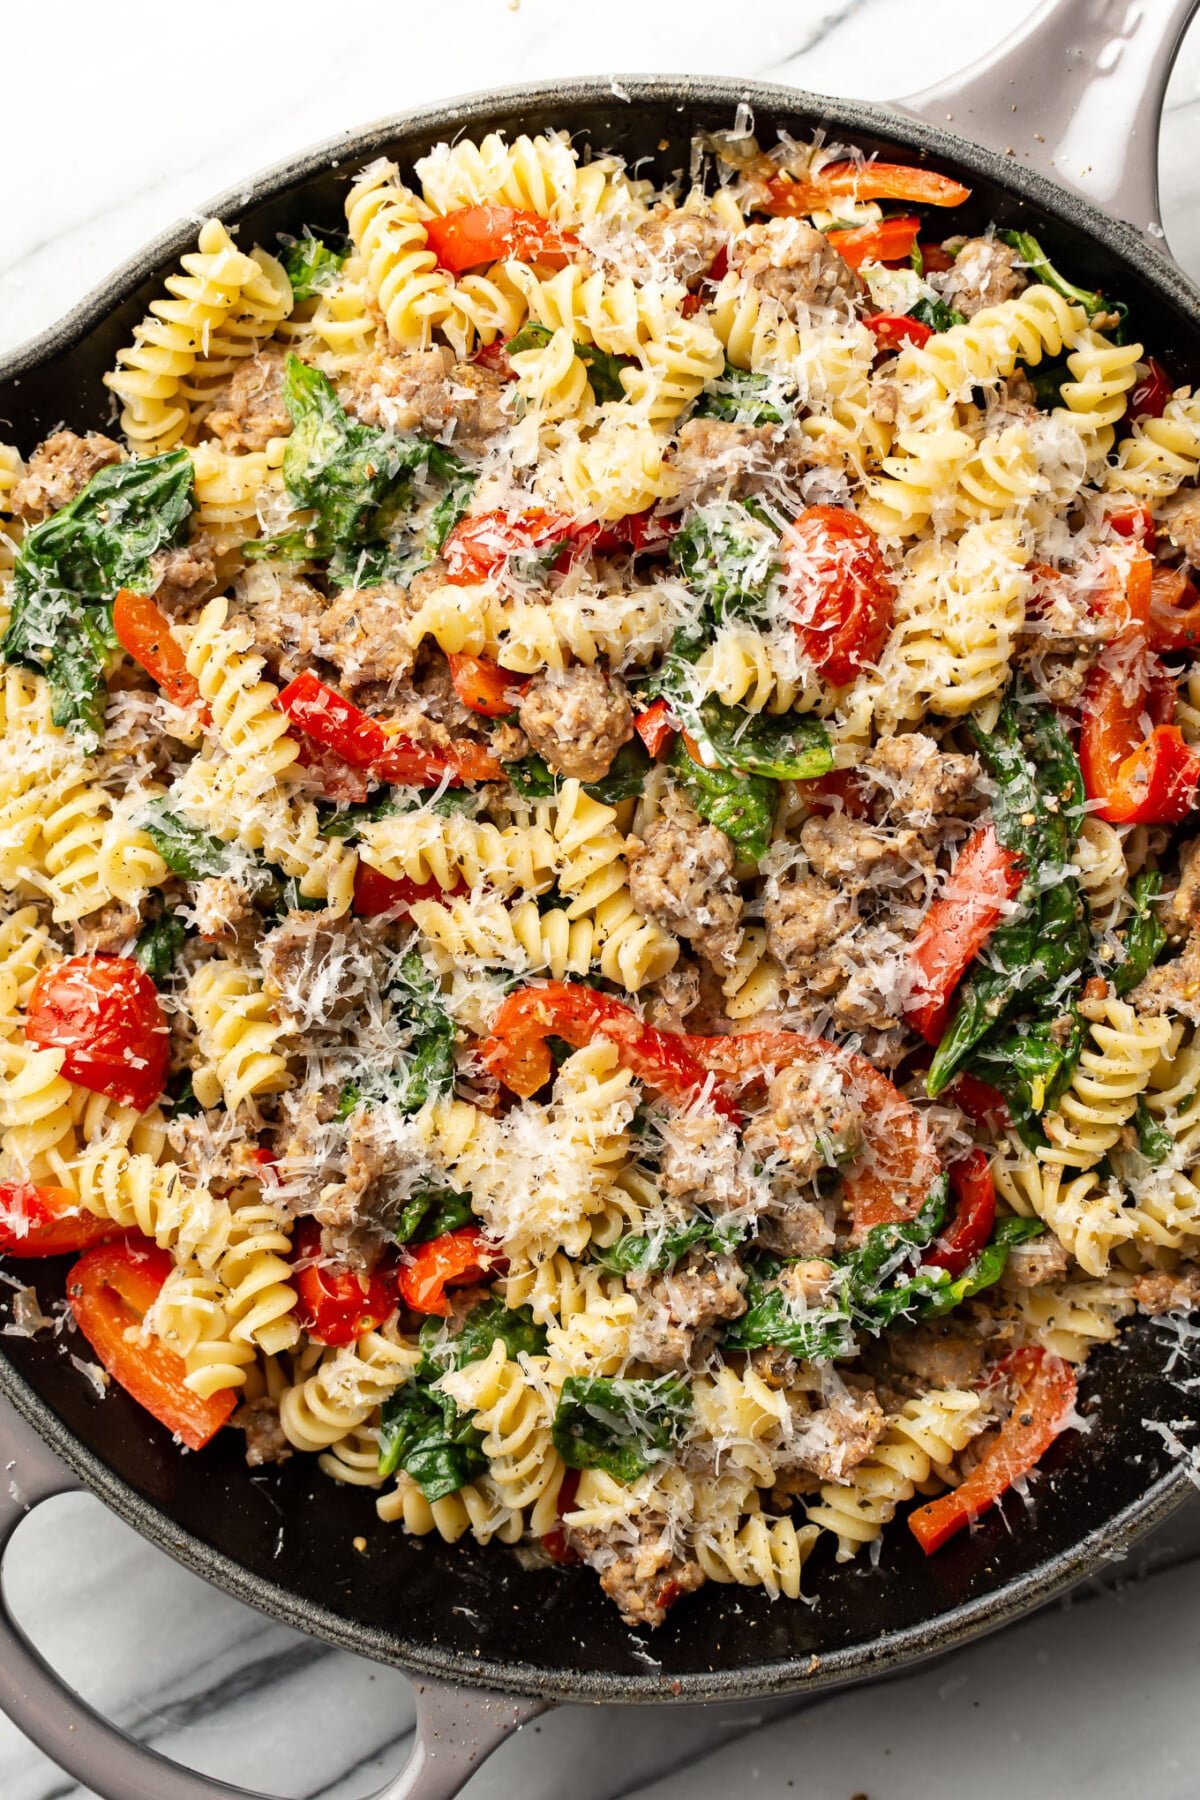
[(1038, 805), (728, 554), (622, 1427), (742, 806), (421, 1432), (158, 946), (312, 265), (603, 369), (936, 314), (1154, 1140), (1041, 269), (626, 778), (430, 1213), (643, 1254), (1143, 938), (515, 1327), (740, 398), (532, 778), (783, 746), (186, 850)]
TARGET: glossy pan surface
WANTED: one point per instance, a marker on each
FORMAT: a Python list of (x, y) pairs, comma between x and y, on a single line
[(284, 1539)]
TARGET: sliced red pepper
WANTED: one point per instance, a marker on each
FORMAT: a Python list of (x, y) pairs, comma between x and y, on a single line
[(336, 779), (889, 241), (1153, 783), (841, 790), (1149, 398), (143, 631), (366, 743), (111, 1289), (1044, 1399), (1174, 611), (863, 181), (975, 1192), (494, 356), (890, 330), (554, 1542), (103, 1013), (841, 595), (334, 1304), (481, 544), (518, 1051), (377, 896), (456, 1259), (472, 235), (654, 727), (983, 1104), (901, 1165), (957, 925), (645, 533), (47, 1221), (1133, 522), (484, 687)]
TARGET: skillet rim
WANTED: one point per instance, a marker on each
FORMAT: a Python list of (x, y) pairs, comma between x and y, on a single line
[(900, 1650)]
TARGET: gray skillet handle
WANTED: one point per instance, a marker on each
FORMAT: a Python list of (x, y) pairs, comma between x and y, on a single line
[(457, 1727), (1075, 93)]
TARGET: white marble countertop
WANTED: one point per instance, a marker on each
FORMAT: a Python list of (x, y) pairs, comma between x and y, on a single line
[(174, 104)]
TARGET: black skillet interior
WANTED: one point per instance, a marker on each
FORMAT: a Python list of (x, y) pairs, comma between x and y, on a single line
[(284, 1539)]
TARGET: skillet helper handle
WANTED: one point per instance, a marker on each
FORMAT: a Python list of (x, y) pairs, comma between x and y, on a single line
[(1076, 93), (457, 1728)]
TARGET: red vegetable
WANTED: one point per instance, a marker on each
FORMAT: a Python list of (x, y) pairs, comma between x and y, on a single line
[(935, 260), (890, 330), (337, 779), (901, 1165), (494, 356), (889, 241), (367, 743), (1174, 611), (484, 687), (839, 791), (334, 1304), (654, 727), (518, 1052), (103, 1011), (841, 593), (1133, 522), (46, 1221), (554, 1542), (863, 181), (110, 1289), (144, 632), (472, 235), (1044, 1397), (377, 896), (981, 1102), (1149, 398), (957, 926), (456, 1259), (481, 544), (973, 1188)]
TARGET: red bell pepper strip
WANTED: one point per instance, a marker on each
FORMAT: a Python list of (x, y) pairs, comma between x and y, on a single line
[(494, 356), (518, 1051), (654, 727), (110, 1290), (334, 1305), (841, 790), (472, 235), (456, 1259), (378, 896), (1133, 522), (983, 1104), (901, 1165), (554, 1541), (366, 743), (144, 632), (1151, 783), (332, 775), (889, 241), (957, 926), (890, 330), (103, 1013), (481, 544), (863, 181), (1149, 398), (973, 1188), (47, 1221), (484, 687), (1044, 1398), (1174, 611), (840, 593)]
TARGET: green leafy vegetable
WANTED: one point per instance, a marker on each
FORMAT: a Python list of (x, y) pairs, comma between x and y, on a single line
[(186, 850), (784, 746), (158, 946), (430, 1213), (935, 313), (421, 1432), (1143, 938), (622, 1427), (1031, 1064), (1038, 805), (181, 1102), (626, 779), (1154, 1140), (728, 554), (69, 568), (742, 806), (1046, 379), (357, 482), (740, 398), (643, 1254), (986, 1270), (514, 1326), (430, 1070), (312, 265), (1041, 269), (532, 778)]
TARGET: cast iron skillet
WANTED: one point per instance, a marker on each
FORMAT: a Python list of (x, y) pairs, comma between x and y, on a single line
[(464, 1615)]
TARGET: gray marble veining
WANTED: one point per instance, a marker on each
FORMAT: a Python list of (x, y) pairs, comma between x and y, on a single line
[(1094, 1696)]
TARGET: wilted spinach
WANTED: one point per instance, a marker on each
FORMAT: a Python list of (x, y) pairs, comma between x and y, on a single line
[(158, 945), (622, 1427), (312, 265), (742, 806), (740, 398)]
